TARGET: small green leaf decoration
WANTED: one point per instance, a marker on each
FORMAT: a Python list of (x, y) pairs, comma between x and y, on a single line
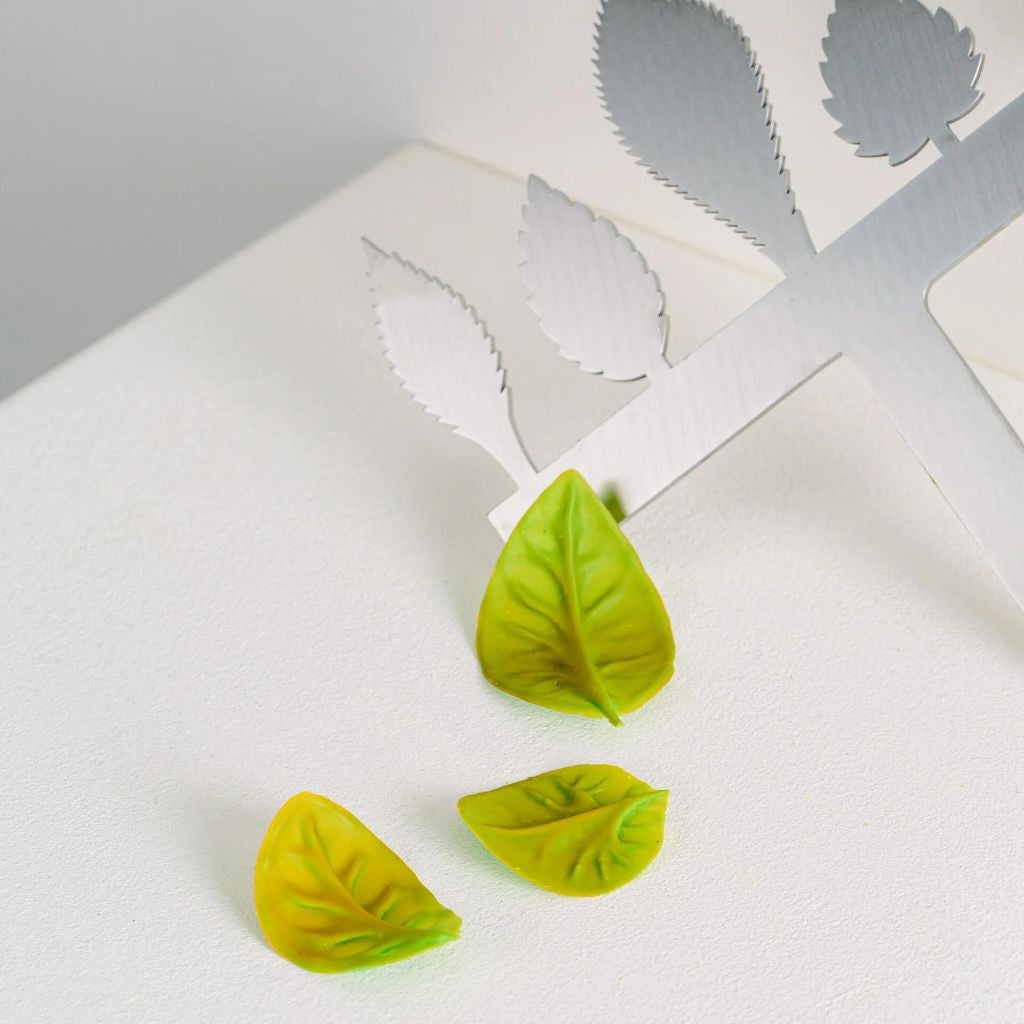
[(570, 620), (579, 831), (330, 896)]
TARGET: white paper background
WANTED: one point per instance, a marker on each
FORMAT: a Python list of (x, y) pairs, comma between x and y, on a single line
[(240, 562)]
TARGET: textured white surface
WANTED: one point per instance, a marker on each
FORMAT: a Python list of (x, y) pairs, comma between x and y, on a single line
[(239, 562)]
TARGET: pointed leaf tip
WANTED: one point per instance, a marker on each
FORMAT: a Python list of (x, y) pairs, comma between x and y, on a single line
[(537, 186)]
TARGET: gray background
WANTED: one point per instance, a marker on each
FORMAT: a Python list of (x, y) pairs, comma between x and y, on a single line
[(145, 141)]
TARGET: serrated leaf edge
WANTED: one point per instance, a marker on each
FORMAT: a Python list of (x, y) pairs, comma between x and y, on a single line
[(657, 363), (851, 136), (762, 92), (514, 458)]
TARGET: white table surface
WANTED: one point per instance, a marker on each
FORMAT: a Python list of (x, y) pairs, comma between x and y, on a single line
[(239, 562)]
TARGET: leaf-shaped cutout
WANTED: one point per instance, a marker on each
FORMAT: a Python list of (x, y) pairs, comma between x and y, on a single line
[(330, 896), (688, 100), (898, 75), (570, 619), (444, 357), (578, 831), (592, 291)]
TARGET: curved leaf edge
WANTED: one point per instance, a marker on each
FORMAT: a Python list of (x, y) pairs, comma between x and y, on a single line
[(421, 940)]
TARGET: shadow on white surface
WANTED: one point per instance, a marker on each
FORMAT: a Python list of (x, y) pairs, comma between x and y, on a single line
[(818, 481), (882, 537), (452, 501), (227, 837), (440, 818)]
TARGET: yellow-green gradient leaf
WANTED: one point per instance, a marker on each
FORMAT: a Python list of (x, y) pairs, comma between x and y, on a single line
[(570, 619), (578, 831), (330, 896)]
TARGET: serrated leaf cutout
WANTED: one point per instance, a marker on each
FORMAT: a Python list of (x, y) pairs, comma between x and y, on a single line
[(899, 75), (590, 288), (584, 830), (688, 99), (570, 619), (330, 896), (444, 357)]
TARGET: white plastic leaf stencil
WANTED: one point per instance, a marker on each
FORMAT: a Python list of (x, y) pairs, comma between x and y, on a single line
[(680, 81), (444, 357), (899, 75), (592, 291), (688, 99)]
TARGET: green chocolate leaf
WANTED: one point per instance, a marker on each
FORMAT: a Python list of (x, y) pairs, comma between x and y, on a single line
[(330, 896), (578, 831), (570, 619)]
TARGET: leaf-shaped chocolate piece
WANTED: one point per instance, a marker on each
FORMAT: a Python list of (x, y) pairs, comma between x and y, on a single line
[(570, 619), (899, 75), (578, 831), (330, 896), (594, 294), (680, 83)]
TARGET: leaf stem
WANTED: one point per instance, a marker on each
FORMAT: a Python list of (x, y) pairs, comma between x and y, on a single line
[(514, 460), (945, 140)]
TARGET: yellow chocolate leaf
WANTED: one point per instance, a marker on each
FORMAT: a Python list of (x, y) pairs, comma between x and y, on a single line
[(570, 619), (330, 896), (578, 831)]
